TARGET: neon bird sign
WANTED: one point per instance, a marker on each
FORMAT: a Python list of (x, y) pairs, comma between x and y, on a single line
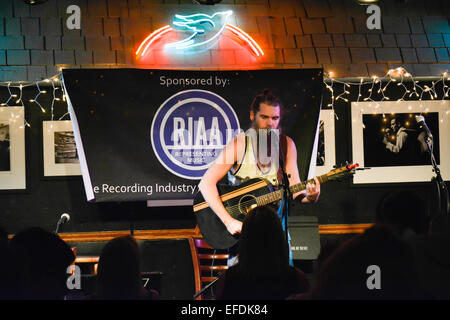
[(204, 31), (246, 38), (199, 24), (145, 45)]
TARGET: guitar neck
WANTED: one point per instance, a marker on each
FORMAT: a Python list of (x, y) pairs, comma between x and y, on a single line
[(278, 195), (302, 185)]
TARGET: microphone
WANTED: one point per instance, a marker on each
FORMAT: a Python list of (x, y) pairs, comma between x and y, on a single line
[(65, 217), (274, 132), (421, 122)]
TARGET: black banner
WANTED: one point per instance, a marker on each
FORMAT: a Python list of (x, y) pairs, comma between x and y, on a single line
[(151, 134)]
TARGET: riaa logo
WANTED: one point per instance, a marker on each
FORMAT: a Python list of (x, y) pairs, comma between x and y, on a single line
[(190, 130)]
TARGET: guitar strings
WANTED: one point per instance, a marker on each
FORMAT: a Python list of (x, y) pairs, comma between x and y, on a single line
[(235, 209)]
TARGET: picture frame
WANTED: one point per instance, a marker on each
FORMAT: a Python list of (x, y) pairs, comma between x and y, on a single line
[(388, 141), (59, 149), (12, 148), (325, 144)]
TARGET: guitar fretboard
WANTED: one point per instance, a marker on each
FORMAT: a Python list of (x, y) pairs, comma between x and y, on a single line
[(278, 195)]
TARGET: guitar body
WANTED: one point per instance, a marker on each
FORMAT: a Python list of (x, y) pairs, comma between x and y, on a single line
[(238, 200)]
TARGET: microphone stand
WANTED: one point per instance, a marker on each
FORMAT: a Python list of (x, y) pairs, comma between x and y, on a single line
[(206, 287), (286, 192), (64, 219), (132, 227), (57, 227), (443, 199)]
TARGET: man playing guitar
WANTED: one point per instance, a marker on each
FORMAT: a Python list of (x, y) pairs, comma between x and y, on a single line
[(241, 161)]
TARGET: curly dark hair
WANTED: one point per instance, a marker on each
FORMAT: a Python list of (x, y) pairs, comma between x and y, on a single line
[(266, 97)]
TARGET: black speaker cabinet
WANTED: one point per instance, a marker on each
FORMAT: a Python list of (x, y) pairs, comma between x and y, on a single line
[(305, 238)]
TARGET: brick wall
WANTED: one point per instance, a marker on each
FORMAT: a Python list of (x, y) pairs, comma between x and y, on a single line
[(35, 41)]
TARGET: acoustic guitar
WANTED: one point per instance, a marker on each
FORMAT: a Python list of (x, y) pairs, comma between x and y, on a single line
[(239, 200)]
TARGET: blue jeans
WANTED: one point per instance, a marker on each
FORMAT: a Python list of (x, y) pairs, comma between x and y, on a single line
[(283, 224)]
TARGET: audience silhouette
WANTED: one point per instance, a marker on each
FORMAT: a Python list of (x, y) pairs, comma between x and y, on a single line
[(42, 259), (8, 270), (403, 256), (432, 256), (263, 270), (3, 237), (405, 211), (429, 239), (433, 263), (350, 272), (119, 272)]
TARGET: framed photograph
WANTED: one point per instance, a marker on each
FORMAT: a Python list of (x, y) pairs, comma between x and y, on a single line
[(326, 153), (12, 148), (60, 152), (389, 139)]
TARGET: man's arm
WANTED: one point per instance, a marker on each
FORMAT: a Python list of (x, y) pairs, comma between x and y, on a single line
[(401, 138), (312, 192), (208, 184)]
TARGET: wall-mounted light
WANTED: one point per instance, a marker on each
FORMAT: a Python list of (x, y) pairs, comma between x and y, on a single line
[(208, 2), (34, 2), (363, 2)]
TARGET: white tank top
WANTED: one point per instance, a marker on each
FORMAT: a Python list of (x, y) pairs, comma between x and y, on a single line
[(249, 168)]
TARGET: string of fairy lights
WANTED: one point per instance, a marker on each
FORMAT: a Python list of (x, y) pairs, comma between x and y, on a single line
[(411, 88), (340, 89), (16, 96)]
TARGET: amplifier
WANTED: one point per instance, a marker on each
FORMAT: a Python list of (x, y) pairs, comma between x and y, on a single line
[(305, 238)]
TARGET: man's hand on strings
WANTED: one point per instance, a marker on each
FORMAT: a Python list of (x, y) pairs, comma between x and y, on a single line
[(313, 191), (234, 226)]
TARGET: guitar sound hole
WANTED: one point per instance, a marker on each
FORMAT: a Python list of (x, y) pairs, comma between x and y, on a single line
[(246, 204)]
